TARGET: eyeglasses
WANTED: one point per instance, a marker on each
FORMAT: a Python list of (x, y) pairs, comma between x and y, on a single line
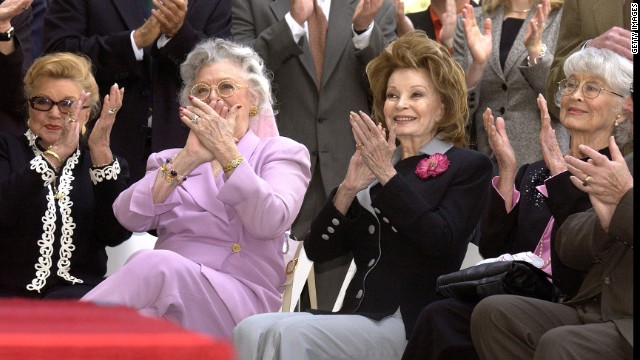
[(589, 90), (224, 88), (43, 103)]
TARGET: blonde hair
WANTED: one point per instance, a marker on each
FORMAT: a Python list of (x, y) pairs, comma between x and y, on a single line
[(67, 66), (415, 50), (490, 6)]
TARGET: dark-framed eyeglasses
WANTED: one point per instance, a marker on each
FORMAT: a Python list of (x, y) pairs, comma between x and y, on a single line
[(43, 103), (224, 88), (589, 90)]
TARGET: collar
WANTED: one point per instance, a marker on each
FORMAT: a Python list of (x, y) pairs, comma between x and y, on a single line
[(435, 145)]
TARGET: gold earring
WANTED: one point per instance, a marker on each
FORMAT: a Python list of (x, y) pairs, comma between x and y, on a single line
[(253, 111), (84, 130), (28, 122)]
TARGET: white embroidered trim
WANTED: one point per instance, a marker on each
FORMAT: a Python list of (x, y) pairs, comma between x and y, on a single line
[(43, 267), (109, 172)]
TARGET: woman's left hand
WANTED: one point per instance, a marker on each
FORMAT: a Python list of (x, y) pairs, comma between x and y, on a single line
[(213, 124), (376, 151), (551, 152), (533, 36), (100, 138)]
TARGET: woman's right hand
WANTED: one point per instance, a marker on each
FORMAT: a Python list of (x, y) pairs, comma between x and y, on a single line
[(69, 138), (499, 142), (479, 42), (503, 151)]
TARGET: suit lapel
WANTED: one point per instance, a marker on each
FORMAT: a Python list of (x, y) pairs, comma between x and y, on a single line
[(133, 17), (280, 8), (338, 34), (496, 23), (518, 51)]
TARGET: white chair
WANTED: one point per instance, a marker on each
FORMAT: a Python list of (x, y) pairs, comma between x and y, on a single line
[(300, 270)]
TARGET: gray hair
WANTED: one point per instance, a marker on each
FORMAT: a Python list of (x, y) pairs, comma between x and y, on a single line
[(211, 51), (616, 72)]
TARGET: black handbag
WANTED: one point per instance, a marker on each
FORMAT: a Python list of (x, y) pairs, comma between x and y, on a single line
[(501, 277)]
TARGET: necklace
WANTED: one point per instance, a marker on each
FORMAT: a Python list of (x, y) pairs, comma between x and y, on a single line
[(540, 247), (518, 11)]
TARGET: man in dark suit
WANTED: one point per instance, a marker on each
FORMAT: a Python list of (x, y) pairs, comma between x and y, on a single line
[(143, 57), (315, 111), (15, 29)]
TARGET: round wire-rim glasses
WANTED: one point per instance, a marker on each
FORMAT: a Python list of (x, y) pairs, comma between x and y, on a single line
[(224, 88), (589, 89)]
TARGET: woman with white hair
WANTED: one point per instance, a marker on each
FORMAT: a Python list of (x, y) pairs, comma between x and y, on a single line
[(527, 206), (220, 205)]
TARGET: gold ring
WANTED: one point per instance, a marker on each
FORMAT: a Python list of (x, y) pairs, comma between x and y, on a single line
[(586, 180), (358, 146)]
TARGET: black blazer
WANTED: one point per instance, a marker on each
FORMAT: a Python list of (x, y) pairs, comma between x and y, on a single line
[(418, 230), (101, 29), (23, 205)]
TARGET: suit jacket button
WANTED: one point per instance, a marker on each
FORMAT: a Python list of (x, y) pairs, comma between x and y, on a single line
[(502, 110), (372, 229), (607, 280), (359, 294), (504, 87)]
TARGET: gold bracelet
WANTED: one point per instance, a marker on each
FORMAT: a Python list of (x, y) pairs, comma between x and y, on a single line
[(102, 165), (49, 152), (233, 164)]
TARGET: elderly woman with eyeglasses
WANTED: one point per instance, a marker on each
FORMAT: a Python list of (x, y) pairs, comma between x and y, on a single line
[(528, 205), (220, 205), (57, 187)]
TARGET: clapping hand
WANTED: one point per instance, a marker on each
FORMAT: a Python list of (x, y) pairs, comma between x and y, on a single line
[(170, 15), (479, 42), (606, 181), (403, 23), (504, 154), (301, 10), (448, 20), (533, 36), (551, 152), (212, 130), (99, 140), (366, 11), (374, 147)]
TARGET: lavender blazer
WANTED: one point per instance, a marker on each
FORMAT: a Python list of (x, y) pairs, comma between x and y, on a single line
[(206, 215)]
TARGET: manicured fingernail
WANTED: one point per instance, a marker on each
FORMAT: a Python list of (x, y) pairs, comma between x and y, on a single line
[(190, 97)]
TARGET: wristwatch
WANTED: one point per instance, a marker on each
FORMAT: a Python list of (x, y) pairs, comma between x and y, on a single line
[(6, 36)]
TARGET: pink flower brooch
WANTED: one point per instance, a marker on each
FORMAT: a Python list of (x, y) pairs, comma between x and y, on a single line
[(434, 165)]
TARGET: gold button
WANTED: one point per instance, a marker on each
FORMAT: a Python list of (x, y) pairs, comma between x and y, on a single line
[(235, 248)]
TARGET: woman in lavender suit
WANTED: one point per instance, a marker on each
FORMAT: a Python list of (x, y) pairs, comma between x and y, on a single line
[(220, 205)]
